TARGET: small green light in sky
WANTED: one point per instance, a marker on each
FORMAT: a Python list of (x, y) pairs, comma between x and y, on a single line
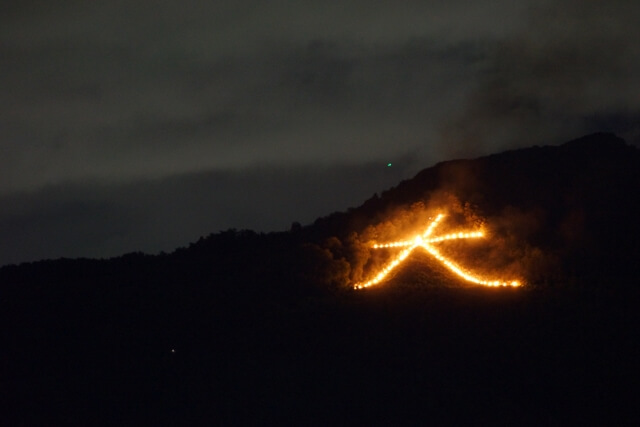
[(389, 165)]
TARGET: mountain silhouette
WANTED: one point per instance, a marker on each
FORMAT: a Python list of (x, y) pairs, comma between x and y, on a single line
[(243, 327)]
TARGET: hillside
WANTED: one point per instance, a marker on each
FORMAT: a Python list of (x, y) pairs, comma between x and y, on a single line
[(578, 202), (242, 327)]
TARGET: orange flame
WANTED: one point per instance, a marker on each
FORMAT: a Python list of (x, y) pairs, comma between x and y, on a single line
[(424, 241)]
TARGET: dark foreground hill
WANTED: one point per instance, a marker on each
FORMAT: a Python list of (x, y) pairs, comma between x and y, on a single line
[(246, 328)]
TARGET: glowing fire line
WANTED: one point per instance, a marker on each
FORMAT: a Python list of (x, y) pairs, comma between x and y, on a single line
[(425, 242)]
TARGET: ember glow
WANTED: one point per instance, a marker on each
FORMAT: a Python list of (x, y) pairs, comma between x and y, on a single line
[(425, 241)]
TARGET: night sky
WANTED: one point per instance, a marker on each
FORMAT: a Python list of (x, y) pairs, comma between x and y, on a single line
[(143, 125)]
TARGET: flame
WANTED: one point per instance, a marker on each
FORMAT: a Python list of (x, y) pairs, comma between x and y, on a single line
[(425, 241)]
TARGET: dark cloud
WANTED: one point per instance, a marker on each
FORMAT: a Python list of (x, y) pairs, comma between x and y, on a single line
[(187, 87), (122, 92), (573, 64), (98, 220), (319, 102)]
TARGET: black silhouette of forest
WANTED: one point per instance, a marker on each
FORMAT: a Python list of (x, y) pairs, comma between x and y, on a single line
[(251, 328)]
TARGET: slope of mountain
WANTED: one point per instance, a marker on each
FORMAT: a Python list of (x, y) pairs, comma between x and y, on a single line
[(578, 202), (244, 328)]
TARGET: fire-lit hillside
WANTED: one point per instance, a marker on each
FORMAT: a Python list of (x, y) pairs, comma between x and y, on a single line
[(566, 212), (246, 328)]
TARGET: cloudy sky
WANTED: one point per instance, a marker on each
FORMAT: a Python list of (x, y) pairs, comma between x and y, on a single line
[(142, 125)]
